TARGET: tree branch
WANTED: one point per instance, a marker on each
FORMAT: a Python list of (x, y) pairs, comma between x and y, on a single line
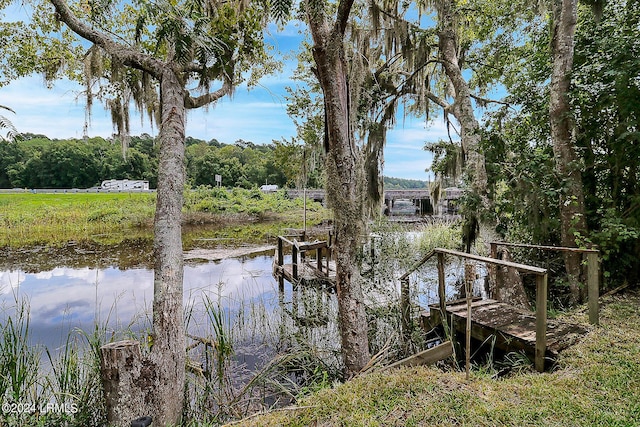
[(125, 54), (342, 18), (485, 101), (206, 99)]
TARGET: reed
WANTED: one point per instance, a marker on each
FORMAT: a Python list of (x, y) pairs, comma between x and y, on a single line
[(19, 359)]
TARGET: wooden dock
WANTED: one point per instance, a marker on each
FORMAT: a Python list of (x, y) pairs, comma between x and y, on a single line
[(514, 329), (317, 269)]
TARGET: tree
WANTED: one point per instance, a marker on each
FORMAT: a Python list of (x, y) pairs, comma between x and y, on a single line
[(448, 62), (157, 50), (6, 124), (605, 98), (568, 168), (342, 166)]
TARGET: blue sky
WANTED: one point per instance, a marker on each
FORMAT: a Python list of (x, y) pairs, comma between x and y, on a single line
[(257, 115)]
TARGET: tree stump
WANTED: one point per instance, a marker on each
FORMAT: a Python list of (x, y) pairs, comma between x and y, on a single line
[(121, 364)]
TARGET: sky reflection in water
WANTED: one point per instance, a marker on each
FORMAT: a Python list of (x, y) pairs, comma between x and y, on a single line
[(66, 298)]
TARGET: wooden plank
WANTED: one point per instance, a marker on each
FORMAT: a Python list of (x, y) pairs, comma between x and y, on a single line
[(512, 329), (308, 246), (486, 304), (426, 357)]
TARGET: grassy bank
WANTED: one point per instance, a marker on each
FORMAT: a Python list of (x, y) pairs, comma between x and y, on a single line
[(53, 219), (596, 383)]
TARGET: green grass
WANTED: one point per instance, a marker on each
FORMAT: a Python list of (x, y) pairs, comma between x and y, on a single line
[(54, 219), (596, 383), (34, 219)]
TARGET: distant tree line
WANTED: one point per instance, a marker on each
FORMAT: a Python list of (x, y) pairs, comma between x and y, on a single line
[(391, 183), (35, 161)]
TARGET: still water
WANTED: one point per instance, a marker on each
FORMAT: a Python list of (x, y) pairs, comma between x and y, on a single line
[(62, 299), (77, 288)]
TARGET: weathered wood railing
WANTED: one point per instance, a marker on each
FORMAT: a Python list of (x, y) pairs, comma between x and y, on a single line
[(541, 294), (593, 271)]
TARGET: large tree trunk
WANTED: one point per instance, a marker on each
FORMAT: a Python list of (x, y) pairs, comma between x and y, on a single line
[(572, 218), (342, 192), (166, 361), (137, 386)]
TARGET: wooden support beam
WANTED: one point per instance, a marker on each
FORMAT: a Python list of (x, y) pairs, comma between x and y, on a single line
[(517, 266), (593, 284), (426, 357), (493, 271), (547, 248), (280, 263), (294, 261), (541, 322)]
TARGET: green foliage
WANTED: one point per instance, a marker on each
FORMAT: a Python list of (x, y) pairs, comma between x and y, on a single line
[(38, 162), (28, 219), (55, 219), (242, 164), (19, 360), (5, 124), (43, 163), (239, 200), (605, 97)]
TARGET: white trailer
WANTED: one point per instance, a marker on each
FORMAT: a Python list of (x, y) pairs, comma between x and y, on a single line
[(124, 185)]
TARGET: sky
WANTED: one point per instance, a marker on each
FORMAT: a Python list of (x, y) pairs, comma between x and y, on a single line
[(257, 115)]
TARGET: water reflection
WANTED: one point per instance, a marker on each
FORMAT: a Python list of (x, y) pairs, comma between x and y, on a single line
[(63, 298)]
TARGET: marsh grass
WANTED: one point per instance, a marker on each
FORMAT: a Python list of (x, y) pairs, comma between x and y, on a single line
[(65, 393), (252, 356), (35, 219), (54, 219)]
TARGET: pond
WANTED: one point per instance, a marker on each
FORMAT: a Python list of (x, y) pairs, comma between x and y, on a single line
[(63, 298), (79, 286)]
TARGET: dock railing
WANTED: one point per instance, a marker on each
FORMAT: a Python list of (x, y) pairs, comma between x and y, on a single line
[(593, 271), (541, 294)]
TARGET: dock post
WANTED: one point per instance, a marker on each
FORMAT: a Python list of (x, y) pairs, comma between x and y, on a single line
[(280, 263), (405, 310), (294, 261), (493, 271), (469, 279), (441, 287), (541, 321), (593, 279)]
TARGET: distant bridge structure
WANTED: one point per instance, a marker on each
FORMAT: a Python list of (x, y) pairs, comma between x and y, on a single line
[(421, 202)]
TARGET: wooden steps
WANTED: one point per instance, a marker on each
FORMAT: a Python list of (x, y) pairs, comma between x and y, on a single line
[(514, 329)]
